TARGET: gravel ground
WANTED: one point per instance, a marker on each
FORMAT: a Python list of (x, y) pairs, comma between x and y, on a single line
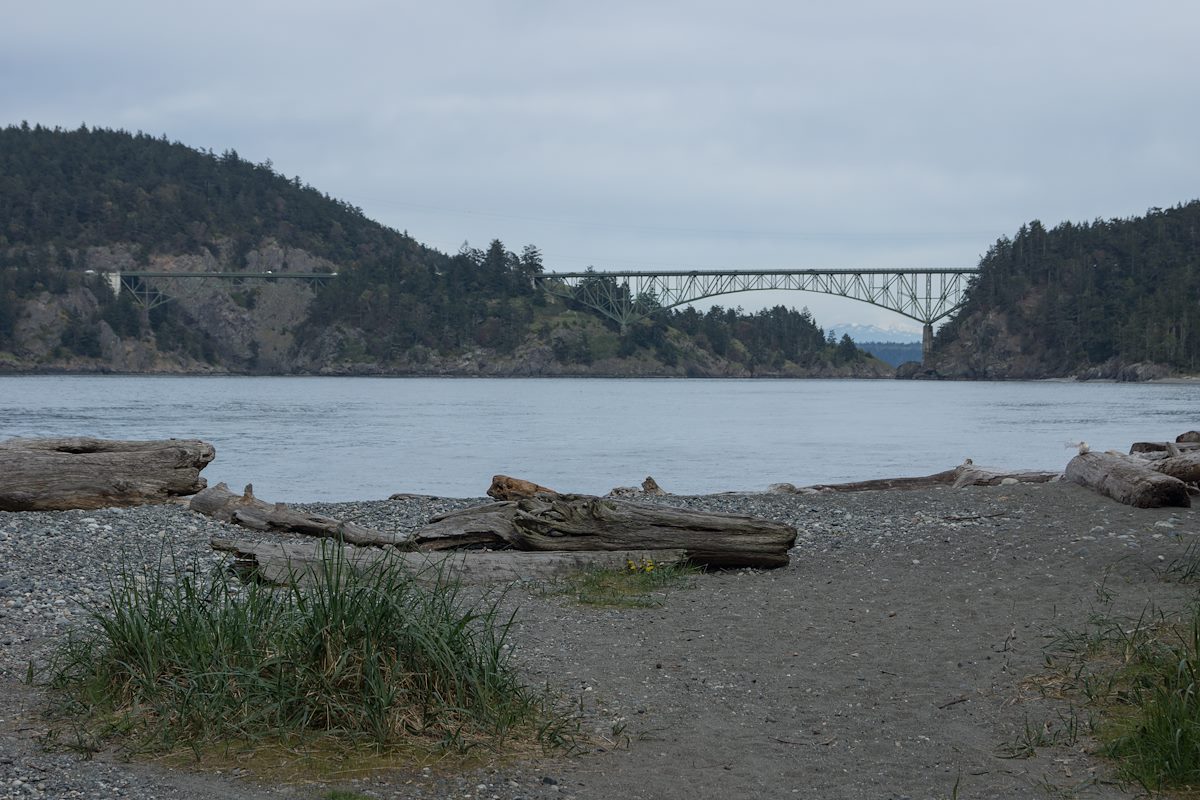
[(886, 661)]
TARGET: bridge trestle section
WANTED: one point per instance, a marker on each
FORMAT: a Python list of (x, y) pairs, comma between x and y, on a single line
[(152, 289)]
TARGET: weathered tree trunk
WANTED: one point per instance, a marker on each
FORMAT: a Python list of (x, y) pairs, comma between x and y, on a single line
[(982, 476), (1127, 480), (247, 510), (720, 540), (479, 526), (1183, 446), (946, 478), (965, 474), (60, 474), (287, 562), (573, 523), (1185, 467)]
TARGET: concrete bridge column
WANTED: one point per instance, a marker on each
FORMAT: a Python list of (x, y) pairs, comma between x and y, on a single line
[(926, 343)]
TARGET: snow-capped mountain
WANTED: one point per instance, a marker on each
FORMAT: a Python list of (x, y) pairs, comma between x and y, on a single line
[(873, 333)]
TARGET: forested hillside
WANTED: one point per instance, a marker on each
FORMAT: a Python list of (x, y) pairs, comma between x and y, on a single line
[(77, 204), (1109, 299)]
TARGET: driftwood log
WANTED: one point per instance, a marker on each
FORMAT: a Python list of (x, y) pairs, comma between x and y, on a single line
[(1185, 467), (575, 523), (1150, 448), (946, 478), (965, 474), (83, 473), (287, 562), (563, 524), (649, 488), (1128, 480), (247, 510), (970, 475), (505, 488), (478, 526)]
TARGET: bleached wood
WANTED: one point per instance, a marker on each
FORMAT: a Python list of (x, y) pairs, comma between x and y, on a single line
[(582, 522), (983, 476), (82, 473), (1185, 467), (1139, 448), (478, 526), (283, 563), (1128, 480), (946, 478), (247, 510)]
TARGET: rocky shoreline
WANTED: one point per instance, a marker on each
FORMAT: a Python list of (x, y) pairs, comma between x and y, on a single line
[(886, 660)]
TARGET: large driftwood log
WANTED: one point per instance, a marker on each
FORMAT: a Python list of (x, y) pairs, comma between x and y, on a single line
[(1127, 479), (60, 474), (247, 510), (965, 474), (970, 475), (946, 478), (1185, 467), (723, 540), (287, 562), (1143, 448), (574, 523), (479, 526)]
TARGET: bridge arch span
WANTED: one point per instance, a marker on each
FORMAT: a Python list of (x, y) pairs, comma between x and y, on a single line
[(924, 295)]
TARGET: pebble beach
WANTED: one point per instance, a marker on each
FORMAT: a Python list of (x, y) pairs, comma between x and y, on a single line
[(888, 659)]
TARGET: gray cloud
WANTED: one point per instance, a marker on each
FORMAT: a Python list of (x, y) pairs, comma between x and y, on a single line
[(782, 134)]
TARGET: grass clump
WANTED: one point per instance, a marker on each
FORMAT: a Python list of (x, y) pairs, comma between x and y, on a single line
[(641, 584), (1158, 744), (1142, 678), (351, 660)]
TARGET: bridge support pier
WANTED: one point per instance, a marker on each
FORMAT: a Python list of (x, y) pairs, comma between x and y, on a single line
[(926, 342)]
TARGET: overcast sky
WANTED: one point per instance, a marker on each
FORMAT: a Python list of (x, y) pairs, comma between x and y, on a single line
[(656, 134)]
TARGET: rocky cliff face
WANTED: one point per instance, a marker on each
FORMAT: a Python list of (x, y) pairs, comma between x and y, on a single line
[(44, 320), (250, 326), (986, 348), (995, 346)]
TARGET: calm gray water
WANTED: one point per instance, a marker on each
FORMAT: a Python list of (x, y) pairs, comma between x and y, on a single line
[(301, 439)]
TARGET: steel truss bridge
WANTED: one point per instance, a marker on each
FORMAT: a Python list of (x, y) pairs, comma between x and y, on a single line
[(924, 295), (150, 289)]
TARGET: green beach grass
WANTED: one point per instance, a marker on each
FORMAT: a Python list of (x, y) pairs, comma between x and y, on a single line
[(348, 666), (642, 584), (1134, 685)]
